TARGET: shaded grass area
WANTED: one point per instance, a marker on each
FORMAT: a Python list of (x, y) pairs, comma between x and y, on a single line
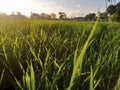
[(41, 55)]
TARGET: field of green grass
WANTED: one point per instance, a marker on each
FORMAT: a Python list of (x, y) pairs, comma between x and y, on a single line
[(59, 55)]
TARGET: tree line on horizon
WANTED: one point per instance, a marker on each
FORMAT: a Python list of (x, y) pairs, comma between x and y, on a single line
[(36, 16), (112, 13)]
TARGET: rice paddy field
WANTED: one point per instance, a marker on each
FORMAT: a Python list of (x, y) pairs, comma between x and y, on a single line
[(59, 55)]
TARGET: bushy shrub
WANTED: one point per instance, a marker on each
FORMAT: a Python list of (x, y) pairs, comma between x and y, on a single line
[(113, 18)]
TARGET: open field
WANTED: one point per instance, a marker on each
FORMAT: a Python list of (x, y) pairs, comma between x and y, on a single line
[(41, 55)]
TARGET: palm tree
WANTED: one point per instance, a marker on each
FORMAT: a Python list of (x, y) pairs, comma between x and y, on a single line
[(106, 3), (111, 9), (111, 1)]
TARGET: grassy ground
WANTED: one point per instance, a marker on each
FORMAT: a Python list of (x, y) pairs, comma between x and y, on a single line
[(42, 55)]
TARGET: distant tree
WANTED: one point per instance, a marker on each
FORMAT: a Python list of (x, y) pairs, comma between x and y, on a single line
[(43, 16), (111, 9), (62, 15), (34, 16), (103, 16), (113, 18), (118, 10), (3, 15), (20, 15), (90, 17), (53, 16), (110, 1), (48, 17), (12, 15)]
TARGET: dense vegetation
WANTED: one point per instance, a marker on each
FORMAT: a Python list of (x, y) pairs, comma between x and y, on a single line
[(40, 55)]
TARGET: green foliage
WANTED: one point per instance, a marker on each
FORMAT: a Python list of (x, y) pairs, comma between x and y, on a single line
[(114, 12), (41, 55), (117, 86), (111, 9), (113, 18), (77, 68)]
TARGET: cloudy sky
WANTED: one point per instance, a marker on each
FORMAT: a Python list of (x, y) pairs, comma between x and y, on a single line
[(71, 7)]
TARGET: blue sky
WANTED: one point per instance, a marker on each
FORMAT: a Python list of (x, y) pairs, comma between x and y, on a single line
[(71, 7), (74, 7)]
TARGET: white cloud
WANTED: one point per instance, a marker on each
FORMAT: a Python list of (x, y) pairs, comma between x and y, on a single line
[(51, 7), (39, 6), (78, 5)]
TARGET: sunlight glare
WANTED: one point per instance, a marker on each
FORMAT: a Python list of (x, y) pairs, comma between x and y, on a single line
[(9, 6)]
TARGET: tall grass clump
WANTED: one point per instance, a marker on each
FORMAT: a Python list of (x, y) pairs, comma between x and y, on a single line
[(77, 68), (59, 55)]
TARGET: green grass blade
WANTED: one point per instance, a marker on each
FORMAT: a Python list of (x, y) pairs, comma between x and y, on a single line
[(78, 64), (91, 80), (5, 53), (32, 74), (47, 58), (97, 83), (117, 86), (1, 76), (18, 83)]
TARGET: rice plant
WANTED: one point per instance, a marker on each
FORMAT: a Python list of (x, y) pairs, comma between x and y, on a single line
[(43, 55)]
